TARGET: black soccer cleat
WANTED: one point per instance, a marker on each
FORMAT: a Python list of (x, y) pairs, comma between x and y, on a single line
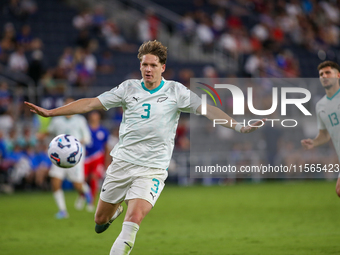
[(101, 228)]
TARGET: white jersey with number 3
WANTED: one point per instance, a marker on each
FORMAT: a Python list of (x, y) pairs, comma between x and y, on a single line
[(328, 117), (148, 128)]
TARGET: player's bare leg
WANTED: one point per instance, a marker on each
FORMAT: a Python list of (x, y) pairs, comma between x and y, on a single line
[(137, 210), (84, 195), (59, 198), (41, 177), (106, 213), (93, 183), (337, 187)]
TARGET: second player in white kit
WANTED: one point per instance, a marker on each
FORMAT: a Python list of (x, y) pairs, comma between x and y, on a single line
[(75, 125), (328, 118), (328, 111)]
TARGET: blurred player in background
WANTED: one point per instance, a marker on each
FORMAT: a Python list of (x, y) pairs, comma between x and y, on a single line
[(152, 107), (75, 125), (96, 152), (328, 111)]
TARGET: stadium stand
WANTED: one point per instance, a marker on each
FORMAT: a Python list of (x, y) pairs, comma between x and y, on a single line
[(68, 40)]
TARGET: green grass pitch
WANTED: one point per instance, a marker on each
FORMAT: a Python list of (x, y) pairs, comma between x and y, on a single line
[(266, 218)]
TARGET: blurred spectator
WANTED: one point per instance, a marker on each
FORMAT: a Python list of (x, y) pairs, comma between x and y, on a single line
[(12, 160), (28, 7), (17, 60), (18, 111), (22, 175), (65, 66), (27, 139), (36, 67), (41, 164), (205, 33), (7, 42), (10, 139), (83, 20), (331, 9), (253, 64), (288, 64), (6, 122), (219, 21), (105, 63), (83, 67), (14, 8), (114, 39), (293, 8), (5, 97), (148, 26), (228, 43), (83, 39), (4, 173), (37, 44), (48, 81), (182, 141), (21, 9), (185, 75), (90, 62), (260, 31), (3, 150), (24, 38), (211, 73), (187, 27), (154, 24), (98, 19)]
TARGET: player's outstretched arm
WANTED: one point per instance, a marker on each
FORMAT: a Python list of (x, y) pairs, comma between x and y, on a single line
[(216, 113), (80, 106), (322, 138)]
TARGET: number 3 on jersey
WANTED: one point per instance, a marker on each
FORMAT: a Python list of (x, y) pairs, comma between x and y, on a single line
[(156, 185), (147, 110)]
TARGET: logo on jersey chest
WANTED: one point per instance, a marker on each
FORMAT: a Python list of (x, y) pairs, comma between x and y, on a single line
[(161, 99), (137, 99)]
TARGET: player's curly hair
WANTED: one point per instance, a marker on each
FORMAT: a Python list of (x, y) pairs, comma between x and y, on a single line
[(330, 64), (155, 48)]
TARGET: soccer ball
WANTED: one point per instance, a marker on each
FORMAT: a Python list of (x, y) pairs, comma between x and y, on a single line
[(65, 151)]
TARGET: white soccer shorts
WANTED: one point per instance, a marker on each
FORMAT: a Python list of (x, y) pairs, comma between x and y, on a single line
[(126, 181), (73, 174)]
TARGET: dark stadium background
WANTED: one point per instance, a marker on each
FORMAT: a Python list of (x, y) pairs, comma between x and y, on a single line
[(64, 54)]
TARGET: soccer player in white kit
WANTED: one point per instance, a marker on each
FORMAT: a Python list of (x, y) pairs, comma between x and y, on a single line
[(137, 173), (75, 125), (328, 111)]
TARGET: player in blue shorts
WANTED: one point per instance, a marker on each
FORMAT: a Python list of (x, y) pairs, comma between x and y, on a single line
[(151, 107)]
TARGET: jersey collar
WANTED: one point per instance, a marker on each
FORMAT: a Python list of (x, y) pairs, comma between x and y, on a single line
[(330, 98), (153, 90)]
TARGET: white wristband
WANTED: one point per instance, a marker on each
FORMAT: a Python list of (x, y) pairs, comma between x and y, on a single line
[(238, 127)]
